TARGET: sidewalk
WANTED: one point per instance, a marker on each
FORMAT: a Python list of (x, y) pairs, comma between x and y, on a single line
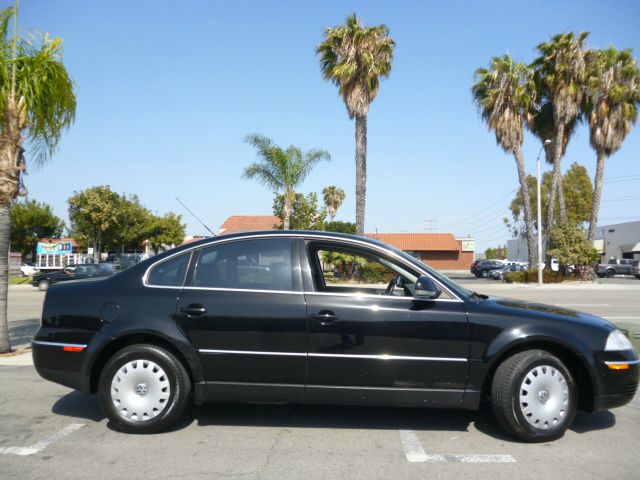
[(20, 359)]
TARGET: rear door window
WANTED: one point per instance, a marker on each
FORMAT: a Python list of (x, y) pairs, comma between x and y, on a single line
[(170, 273), (262, 264)]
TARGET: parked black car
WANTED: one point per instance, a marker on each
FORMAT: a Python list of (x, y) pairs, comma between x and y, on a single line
[(486, 266), (73, 272), (474, 267), (194, 322)]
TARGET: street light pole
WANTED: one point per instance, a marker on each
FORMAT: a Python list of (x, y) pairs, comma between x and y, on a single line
[(546, 142)]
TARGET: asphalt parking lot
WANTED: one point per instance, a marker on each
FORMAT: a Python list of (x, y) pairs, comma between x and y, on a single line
[(49, 431)]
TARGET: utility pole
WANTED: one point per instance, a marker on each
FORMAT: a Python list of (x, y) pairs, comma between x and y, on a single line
[(430, 221)]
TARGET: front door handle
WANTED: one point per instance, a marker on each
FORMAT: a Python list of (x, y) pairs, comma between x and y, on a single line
[(193, 309), (324, 317)]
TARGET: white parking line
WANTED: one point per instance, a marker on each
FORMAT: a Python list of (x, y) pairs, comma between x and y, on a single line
[(415, 453), (412, 447), (39, 446)]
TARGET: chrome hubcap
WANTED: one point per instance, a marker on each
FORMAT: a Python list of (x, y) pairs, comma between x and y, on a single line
[(140, 390), (544, 397)]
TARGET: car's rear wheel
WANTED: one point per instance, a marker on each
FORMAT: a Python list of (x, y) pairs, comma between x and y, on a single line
[(43, 285), (144, 389), (534, 396), (609, 274)]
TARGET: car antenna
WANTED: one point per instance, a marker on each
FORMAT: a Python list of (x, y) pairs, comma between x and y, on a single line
[(195, 216)]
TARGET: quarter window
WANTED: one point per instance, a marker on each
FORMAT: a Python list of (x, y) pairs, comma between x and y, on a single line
[(171, 272), (263, 264)]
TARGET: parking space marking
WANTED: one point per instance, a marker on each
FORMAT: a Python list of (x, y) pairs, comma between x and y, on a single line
[(41, 445), (412, 447), (415, 453)]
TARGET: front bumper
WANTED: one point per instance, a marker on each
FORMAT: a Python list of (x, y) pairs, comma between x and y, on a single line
[(616, 387)]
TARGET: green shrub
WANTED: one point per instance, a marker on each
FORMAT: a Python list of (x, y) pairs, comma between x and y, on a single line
[(531, 276)]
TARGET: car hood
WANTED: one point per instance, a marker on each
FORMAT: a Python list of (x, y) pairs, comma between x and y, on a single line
[(540, 310)]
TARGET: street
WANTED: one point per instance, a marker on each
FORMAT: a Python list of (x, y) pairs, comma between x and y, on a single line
[(49, 431)]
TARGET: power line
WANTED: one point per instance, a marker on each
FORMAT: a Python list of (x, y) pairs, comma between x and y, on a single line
[(430, 221), (474, 217)]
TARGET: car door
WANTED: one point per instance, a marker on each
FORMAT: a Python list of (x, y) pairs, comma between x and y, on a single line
[(370, 340), (243, 310)]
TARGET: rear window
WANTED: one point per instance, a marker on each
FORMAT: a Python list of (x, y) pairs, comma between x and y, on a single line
[(170, 273)]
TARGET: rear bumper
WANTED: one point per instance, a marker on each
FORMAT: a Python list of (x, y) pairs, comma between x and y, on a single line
[(53, 363)]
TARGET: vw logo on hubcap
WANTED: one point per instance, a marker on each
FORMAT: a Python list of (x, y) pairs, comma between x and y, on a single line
[(142, 389), (543, 396)]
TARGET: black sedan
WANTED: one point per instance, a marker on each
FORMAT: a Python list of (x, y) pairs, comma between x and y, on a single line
[(72, 272), (196, 323)]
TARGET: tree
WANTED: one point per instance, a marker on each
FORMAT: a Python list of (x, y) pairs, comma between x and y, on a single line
[(354, 58), (282, 170), (95, 214), (543, 126), (340, 227), (579, 198), (612, 109), (31, 221), (496, 252), (560, 76), (133, 224), (37, 104), (504, 94), (305, 213), (333, 198), (166, 230), (568, 243)]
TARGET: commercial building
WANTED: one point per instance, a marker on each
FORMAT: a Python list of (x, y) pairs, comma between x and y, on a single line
[(621, 240)]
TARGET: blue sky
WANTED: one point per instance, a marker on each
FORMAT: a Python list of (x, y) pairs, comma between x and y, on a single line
[(167, 92)]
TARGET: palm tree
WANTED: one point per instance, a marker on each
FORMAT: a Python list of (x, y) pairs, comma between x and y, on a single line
[(504, 94), (612, 109), (37, 104), (281, 170), (354, 58), (543, 126), (561, 76), (333, 198)]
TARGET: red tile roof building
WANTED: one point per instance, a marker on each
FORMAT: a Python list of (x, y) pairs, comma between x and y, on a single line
[(438, 250), (248, 223)]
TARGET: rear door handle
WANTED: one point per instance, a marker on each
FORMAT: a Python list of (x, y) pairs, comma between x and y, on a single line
[(193, 309), (324, 317)]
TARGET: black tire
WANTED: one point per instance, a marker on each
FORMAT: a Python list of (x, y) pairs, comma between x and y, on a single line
[(178, 381), (609, 273), (505, 396), (43, 285), (484, 273)]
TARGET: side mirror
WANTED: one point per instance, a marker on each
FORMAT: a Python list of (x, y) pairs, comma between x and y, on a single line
[(426, 288)]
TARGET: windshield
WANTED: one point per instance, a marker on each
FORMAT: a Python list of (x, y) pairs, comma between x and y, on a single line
[(446, 281)]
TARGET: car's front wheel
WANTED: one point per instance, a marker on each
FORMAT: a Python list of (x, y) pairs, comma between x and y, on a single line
[(534, 396), (43, 285), (484, 273), (144, 389)]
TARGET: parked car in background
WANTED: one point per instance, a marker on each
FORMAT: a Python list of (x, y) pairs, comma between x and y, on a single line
[(74, 272), (122, 261), (635, 269), (484, 267), (499, 274), (616, 266), (189, 325), (27, 269), (474, 267)]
